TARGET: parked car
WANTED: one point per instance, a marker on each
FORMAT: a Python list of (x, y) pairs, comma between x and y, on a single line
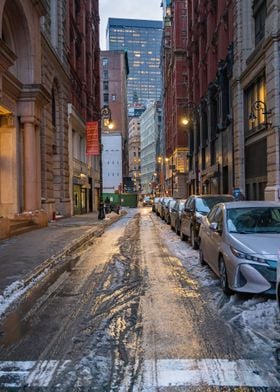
[(167, 209), (163, 203), (278, 282), (155, 203), (240, 242), (147, 201), (158, 206), (175, 215), (196, 207)]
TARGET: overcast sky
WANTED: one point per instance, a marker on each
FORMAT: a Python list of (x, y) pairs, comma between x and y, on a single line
[(128, 9)]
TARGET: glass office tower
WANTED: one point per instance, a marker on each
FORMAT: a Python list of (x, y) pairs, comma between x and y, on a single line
[(142, 41)]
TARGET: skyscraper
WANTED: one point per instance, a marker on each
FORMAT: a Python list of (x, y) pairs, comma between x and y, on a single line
[(142, 41)]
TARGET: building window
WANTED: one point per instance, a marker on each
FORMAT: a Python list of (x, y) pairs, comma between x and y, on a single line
[(105, 85), (114, 97), (106, 98), (259, 13), (255, 92), (204, 129), (105, 63)]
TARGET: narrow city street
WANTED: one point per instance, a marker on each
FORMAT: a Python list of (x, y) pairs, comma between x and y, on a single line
[(135, 311)]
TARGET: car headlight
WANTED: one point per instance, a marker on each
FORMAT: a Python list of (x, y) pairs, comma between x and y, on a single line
[(247, 256)]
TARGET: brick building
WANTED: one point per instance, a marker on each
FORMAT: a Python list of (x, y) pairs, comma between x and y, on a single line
[(208, 103), (175, 95), (84, 57), (113, 88), (197, 66)]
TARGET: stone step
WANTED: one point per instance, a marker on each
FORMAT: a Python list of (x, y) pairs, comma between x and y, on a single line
[(21, 226)]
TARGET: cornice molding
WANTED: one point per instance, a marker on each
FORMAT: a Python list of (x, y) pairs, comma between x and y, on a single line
[(7, 58)]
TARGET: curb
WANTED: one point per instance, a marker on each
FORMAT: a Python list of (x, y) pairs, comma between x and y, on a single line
[(74, 245), (17, 290)]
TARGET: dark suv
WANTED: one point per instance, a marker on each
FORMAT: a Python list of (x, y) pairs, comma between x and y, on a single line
[(196, 206)]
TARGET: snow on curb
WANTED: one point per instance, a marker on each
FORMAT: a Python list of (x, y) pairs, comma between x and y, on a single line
[(17, 289)]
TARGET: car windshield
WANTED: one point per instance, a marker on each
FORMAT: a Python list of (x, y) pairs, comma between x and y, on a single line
[(253, 220), (172, 203), (181, 205), (205, 204)]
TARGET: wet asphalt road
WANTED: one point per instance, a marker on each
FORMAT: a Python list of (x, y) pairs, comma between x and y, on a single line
[(125, 315)]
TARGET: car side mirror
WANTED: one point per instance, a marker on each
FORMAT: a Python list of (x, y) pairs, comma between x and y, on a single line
[(187, 209), (215, 227)]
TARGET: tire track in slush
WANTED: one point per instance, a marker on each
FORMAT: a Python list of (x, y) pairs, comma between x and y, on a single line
[(189, 347)]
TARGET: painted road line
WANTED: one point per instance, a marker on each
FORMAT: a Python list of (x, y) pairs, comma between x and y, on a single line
[(210, 372), (29, 373), (161, 373)]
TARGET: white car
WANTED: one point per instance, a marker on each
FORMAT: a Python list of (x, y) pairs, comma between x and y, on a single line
[(240, 241), (278, 282)]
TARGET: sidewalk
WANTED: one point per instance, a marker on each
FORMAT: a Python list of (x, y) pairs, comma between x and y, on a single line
[(22, 256)]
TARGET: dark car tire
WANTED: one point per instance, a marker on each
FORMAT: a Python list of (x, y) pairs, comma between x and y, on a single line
[(177, 230), (182, 235), (201, 258), (223, 277), (192, 239)]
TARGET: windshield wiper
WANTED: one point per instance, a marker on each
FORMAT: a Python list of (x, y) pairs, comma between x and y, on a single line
[(268, 231), (244, 232)]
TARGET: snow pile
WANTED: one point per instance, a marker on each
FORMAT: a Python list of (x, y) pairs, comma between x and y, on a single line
[(256, 317)]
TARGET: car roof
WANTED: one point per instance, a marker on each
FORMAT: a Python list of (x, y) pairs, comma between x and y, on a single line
[(211, 196), (246, 204)]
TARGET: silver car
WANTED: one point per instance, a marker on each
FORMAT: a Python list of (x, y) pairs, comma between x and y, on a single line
[(278, 282), (175, 215), (240, 241)]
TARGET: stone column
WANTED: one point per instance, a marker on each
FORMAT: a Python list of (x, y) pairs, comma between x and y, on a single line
[(30, 161)]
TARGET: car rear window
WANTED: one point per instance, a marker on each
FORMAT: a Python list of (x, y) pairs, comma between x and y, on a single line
[(205, 204)]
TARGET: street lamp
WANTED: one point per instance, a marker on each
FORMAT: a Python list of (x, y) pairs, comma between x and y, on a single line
[(106, 117), (193, 140), (260, 107)]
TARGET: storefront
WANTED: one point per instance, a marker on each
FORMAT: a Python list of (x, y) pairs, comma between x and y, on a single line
[(82, 195)]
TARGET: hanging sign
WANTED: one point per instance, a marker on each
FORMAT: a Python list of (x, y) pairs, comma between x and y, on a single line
[(93, 147)]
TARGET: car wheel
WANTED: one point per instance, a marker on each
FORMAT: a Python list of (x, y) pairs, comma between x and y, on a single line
[(182, 235), (201, 258), (223, 277), (177, 228), (192, 239)]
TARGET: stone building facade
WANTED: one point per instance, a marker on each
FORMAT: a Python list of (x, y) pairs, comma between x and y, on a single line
[(150, 125), (134, 152), (35, 91), (255, 92)]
